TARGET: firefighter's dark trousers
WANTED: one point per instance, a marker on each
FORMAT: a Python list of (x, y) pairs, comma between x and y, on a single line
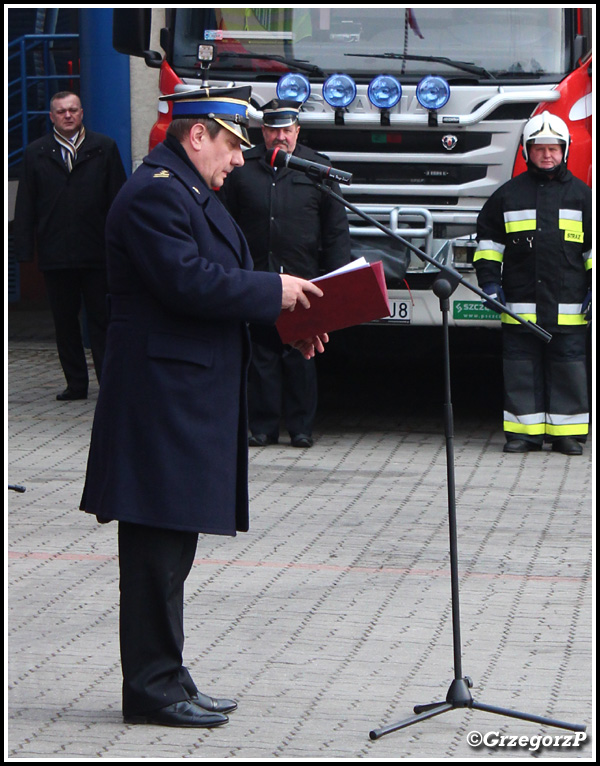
[(545, 386)]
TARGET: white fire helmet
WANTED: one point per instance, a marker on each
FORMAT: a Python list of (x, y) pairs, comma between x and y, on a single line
[(546, 128)]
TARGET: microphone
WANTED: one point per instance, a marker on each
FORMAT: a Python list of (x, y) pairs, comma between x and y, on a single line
[(279, 159)]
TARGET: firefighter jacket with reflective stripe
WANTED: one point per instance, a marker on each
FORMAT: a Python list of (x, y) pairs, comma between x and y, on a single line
[(535, 241)]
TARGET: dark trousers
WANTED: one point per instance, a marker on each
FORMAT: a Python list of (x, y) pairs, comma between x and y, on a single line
[(545, 386), (281, 383), (67, 290), (153, 564)]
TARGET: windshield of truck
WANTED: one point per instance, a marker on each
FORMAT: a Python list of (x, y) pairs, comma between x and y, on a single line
[(504, 42)]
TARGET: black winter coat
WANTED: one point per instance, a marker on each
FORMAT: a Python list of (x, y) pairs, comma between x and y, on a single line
[(291, 226), (169, 443), (60, 214)]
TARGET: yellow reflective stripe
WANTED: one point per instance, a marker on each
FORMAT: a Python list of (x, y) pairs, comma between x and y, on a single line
[(507, 319), (571, 319), (519, 220), (539, 429), (570, 225), (532, 429), (488, 255), (570, 219), (580, 429), (525, 225), (570, 314)]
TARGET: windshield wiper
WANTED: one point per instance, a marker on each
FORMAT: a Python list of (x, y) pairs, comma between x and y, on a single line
[(297, 63), (466, 66)]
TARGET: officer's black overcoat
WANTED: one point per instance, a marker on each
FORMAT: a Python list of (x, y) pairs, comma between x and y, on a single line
[(169, 441)]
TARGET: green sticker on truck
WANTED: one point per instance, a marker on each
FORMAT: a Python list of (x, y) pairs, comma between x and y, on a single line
[(473, 310)]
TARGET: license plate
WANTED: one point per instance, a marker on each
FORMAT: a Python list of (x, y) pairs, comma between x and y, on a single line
[(400, 312)]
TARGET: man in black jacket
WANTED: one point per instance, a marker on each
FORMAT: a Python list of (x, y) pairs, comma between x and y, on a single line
[(291, 228), (69, 180)]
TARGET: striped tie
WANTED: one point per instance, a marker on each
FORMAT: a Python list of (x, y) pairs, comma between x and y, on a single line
[(70, 149)]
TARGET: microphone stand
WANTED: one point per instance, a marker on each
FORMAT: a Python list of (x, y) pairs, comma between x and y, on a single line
[(459, 694)]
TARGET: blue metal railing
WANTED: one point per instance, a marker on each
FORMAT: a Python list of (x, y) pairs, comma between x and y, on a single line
[(20, 107)]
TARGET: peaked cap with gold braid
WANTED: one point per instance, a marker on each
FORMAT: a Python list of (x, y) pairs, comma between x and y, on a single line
[(227, 106)]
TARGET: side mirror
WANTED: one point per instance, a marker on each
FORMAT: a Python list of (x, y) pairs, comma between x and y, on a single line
[(131, 34)]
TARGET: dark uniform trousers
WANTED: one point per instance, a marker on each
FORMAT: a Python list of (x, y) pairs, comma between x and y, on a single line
[(545, 386), (154, 564), (65, 288), (280, 382)]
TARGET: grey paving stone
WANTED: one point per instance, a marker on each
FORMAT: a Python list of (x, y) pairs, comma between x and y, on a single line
[(332, 616)]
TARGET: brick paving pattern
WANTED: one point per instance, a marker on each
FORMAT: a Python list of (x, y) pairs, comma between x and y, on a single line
[(332, 616)]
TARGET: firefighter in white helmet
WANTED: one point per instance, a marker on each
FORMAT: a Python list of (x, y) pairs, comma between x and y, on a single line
[(535, 257)]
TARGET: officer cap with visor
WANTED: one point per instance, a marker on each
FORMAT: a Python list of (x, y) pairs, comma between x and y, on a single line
[(280, 113), (227, 106)]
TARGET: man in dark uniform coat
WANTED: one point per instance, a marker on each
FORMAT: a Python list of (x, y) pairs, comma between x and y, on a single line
[(68, 182), (168, 455), (291, 228)]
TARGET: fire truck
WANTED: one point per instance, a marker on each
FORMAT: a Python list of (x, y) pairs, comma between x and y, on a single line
[(424, 106)]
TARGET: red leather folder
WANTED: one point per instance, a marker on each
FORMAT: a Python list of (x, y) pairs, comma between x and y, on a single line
[(350, 297)]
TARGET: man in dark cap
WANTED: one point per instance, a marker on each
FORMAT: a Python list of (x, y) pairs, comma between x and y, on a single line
[(169, 455), (291, 228)]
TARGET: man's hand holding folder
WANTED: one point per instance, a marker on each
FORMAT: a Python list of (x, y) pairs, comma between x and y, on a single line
[(294, 293), (354, 294)]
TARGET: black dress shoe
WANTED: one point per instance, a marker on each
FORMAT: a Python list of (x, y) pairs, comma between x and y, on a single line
[(69, 395), (567, 445), (521, 445), (302, 440), (212, 704), (261, 440), (184, 714)]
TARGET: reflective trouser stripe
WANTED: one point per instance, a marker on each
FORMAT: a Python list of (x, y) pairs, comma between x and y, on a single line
[(532, 425), (579, 430), (545, 386), (540, 424)]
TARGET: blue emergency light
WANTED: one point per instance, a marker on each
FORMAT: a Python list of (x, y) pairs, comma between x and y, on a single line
[(384, 91), (433, 92), (339, 90), (293, 87)]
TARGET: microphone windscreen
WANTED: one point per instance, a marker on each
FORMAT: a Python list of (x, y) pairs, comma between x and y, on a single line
[(276, 158)]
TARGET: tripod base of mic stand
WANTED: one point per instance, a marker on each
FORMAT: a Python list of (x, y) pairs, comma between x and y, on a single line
[(459, 696)]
